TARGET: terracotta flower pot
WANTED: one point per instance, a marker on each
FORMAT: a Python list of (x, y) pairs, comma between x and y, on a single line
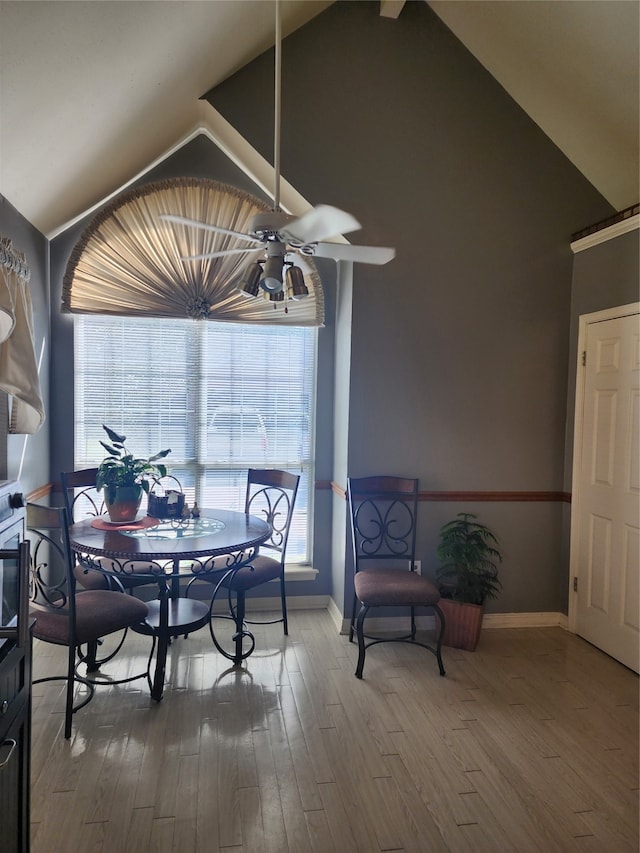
[(463, 623), (125, 504)]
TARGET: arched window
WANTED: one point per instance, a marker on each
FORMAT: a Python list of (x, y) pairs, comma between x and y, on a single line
[(234, 392), (129, 261)]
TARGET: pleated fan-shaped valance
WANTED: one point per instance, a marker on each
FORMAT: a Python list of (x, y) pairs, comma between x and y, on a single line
[(128, 261)]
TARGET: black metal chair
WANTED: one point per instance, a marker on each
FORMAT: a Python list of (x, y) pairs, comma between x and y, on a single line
[(82, 500), (270, 494), (383, 513), (69, 618)]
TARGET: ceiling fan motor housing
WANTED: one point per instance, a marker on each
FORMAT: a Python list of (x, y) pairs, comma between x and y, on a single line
[(266, 226), (271, 278)]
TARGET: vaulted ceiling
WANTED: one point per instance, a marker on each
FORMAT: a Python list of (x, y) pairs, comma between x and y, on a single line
[(92, 92)]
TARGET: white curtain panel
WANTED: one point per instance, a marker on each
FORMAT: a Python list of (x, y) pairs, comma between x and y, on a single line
[(128, 261)]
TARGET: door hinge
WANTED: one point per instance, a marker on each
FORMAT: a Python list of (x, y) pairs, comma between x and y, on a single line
[(584, 358), (575, 584)]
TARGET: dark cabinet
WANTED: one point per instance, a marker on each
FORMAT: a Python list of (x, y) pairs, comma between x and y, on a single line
[(15, 723)]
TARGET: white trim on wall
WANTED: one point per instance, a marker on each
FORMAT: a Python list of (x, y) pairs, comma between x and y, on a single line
[(490, 620), (215, 127), (630, 224)]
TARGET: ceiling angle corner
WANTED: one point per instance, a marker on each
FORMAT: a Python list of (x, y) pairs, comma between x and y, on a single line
[(391, 8)]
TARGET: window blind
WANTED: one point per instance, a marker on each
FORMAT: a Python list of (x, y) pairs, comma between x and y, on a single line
[(223, 396)]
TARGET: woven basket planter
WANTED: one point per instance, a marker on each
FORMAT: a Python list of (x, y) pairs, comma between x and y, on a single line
[(463, 623)]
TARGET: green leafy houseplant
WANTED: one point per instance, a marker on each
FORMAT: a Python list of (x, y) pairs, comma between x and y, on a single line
[(122, 470), (468, 572)]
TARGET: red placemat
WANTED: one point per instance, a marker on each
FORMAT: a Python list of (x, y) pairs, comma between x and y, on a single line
[(140, 524)]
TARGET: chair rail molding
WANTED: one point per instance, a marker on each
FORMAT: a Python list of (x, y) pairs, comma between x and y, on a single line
[(468, 497)]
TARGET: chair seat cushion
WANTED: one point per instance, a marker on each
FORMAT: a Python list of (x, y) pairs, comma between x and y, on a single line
[(89, 578), (377, 587), (98, 612), (261, 570)]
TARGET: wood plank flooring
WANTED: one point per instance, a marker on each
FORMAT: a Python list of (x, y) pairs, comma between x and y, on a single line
[(528, 744)]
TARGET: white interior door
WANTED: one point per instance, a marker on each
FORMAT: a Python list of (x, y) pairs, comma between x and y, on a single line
[(606, 510)]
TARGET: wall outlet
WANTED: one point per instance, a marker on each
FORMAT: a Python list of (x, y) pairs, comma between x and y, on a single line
[(417, 566)]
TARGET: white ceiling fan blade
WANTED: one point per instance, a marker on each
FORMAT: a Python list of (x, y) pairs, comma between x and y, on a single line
[(321, 222), (359, 254), (223, 253), (205, 226)]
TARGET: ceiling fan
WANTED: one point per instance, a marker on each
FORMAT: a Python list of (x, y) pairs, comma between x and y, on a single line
[(277, 234)]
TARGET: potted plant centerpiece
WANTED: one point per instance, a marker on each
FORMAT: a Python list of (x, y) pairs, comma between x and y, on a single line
[(124, 477), (467, 577)]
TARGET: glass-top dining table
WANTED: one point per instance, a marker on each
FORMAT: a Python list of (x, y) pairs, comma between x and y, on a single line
[(212, 547)]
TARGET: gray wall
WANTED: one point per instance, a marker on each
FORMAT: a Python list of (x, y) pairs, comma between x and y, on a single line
[(27, 456), (460, 346), (455, 366)]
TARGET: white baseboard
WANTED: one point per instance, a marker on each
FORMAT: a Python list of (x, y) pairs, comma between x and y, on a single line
[(294, 602), (336, 617), (490, 620), (203, 591), (525, 620)]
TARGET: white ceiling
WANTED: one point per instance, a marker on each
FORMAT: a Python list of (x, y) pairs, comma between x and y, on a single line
[(92, 92)]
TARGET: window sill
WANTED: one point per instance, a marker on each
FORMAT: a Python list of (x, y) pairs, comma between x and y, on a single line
[(299, 572)]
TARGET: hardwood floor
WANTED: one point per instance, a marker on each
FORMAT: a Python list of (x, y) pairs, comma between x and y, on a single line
[(528, 744)]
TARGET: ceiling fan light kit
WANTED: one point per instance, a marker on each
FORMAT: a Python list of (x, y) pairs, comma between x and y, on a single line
[(272, 274), (282, 235), (296, 288), (256, 278), (250, 284)]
